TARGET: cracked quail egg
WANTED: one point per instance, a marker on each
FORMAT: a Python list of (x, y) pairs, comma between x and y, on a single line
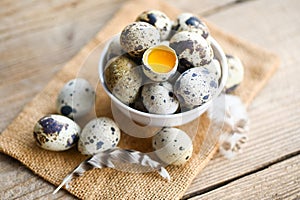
[(195, 87), (158, 19), (160, 63), (56, 133), (172, 146), (158, 98), (123, 78), (189, 22), (98, 135), (192, 50), (137, 37), (235, 73), (76, 98)]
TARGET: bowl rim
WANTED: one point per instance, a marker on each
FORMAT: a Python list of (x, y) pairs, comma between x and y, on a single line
[(224, 70)]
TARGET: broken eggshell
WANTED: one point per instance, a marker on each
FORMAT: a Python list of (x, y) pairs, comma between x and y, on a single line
[(160, 62)]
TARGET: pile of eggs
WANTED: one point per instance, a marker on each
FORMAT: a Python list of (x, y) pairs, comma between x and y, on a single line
[(162, 65), (166, 66), (59, 132)]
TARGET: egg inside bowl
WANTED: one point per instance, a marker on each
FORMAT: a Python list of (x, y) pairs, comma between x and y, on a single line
[(162, 120)]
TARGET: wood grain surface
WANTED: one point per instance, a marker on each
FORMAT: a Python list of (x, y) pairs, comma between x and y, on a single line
[(38, 37)]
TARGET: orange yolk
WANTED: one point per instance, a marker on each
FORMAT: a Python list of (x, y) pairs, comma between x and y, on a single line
[(161, 61)]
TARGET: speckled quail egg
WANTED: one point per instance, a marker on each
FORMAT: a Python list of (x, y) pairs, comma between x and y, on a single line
[(123, 78), (117, 68), (214, 67), (160, 63), (158, 98), (192, 49), (235, 73), (195, 87), (137, 37), (114, 48), (98, 135), (56, 133), (172, 146), (158, 19), (189, 22), (76, 98)]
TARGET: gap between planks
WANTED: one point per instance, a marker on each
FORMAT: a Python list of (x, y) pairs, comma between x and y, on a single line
[(221, 184)]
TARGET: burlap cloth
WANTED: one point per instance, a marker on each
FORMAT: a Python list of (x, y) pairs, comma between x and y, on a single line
[(17, 140)]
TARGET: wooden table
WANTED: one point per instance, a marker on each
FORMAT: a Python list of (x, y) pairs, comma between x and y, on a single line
[(38, 37)]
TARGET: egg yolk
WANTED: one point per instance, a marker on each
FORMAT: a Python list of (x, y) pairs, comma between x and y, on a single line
[(161, 61)]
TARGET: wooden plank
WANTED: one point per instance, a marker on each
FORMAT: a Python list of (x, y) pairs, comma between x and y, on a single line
[(37, 38), (203, 7), (279, 181), (275, 130)]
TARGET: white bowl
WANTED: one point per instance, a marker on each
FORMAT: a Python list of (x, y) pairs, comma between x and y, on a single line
[(157, 120)]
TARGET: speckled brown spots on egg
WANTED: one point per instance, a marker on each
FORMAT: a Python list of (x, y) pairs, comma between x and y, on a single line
[(56, 133), (98, 135), (137, 37), (192, 50), (157, 99), (159, 20), (172, 146), (191, 23)]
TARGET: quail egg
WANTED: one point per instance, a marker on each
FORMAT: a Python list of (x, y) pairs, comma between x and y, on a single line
[(160, 62), (137, 37), (195, 87), (56, 133), (214, 67), (98, 135), (158, 19), (192, 49), (117, 68), (158, 98), (123, 78), (76, 98), (172, 146), (235, 73), (189, 22)]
